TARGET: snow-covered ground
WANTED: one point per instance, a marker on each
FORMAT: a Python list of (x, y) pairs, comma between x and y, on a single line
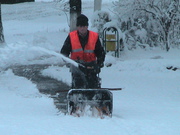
[(149, 104)]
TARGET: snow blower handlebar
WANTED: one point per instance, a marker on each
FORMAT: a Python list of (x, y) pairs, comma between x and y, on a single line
[(110, 89), (80, 65)]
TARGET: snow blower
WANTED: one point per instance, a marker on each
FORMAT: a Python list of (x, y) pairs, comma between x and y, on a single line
[(86, 101)]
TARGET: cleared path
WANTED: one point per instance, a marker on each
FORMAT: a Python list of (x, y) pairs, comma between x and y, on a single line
[(46, 85)]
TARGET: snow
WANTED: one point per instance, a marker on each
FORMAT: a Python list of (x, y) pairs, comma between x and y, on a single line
[(149, 103)]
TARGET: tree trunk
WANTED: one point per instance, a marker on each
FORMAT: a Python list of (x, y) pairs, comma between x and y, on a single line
[(75, 10), (1, 29), (97, 5), (167, 40)]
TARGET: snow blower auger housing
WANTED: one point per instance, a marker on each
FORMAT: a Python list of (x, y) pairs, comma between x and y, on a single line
[(90, 102)]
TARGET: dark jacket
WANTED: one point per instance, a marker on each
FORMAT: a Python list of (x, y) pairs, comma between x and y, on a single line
[(99, 50)]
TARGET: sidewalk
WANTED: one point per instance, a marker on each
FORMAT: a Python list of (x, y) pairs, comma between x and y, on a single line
[(45, 85)]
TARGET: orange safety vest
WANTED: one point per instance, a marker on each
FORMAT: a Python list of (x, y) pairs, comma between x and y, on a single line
[(86, 55)]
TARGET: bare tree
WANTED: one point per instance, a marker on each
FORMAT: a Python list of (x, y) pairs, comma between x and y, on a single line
[(1, 29)]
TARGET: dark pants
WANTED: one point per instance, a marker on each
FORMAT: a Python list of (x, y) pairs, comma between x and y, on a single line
[(86, 78)]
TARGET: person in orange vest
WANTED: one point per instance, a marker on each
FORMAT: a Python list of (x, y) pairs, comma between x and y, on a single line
[(84, 47)]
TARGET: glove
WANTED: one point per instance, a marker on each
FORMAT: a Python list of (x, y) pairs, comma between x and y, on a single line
[(90, 68), (82, 68)]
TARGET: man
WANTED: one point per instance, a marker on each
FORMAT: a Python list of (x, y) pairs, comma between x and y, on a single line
[(84, 47)]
